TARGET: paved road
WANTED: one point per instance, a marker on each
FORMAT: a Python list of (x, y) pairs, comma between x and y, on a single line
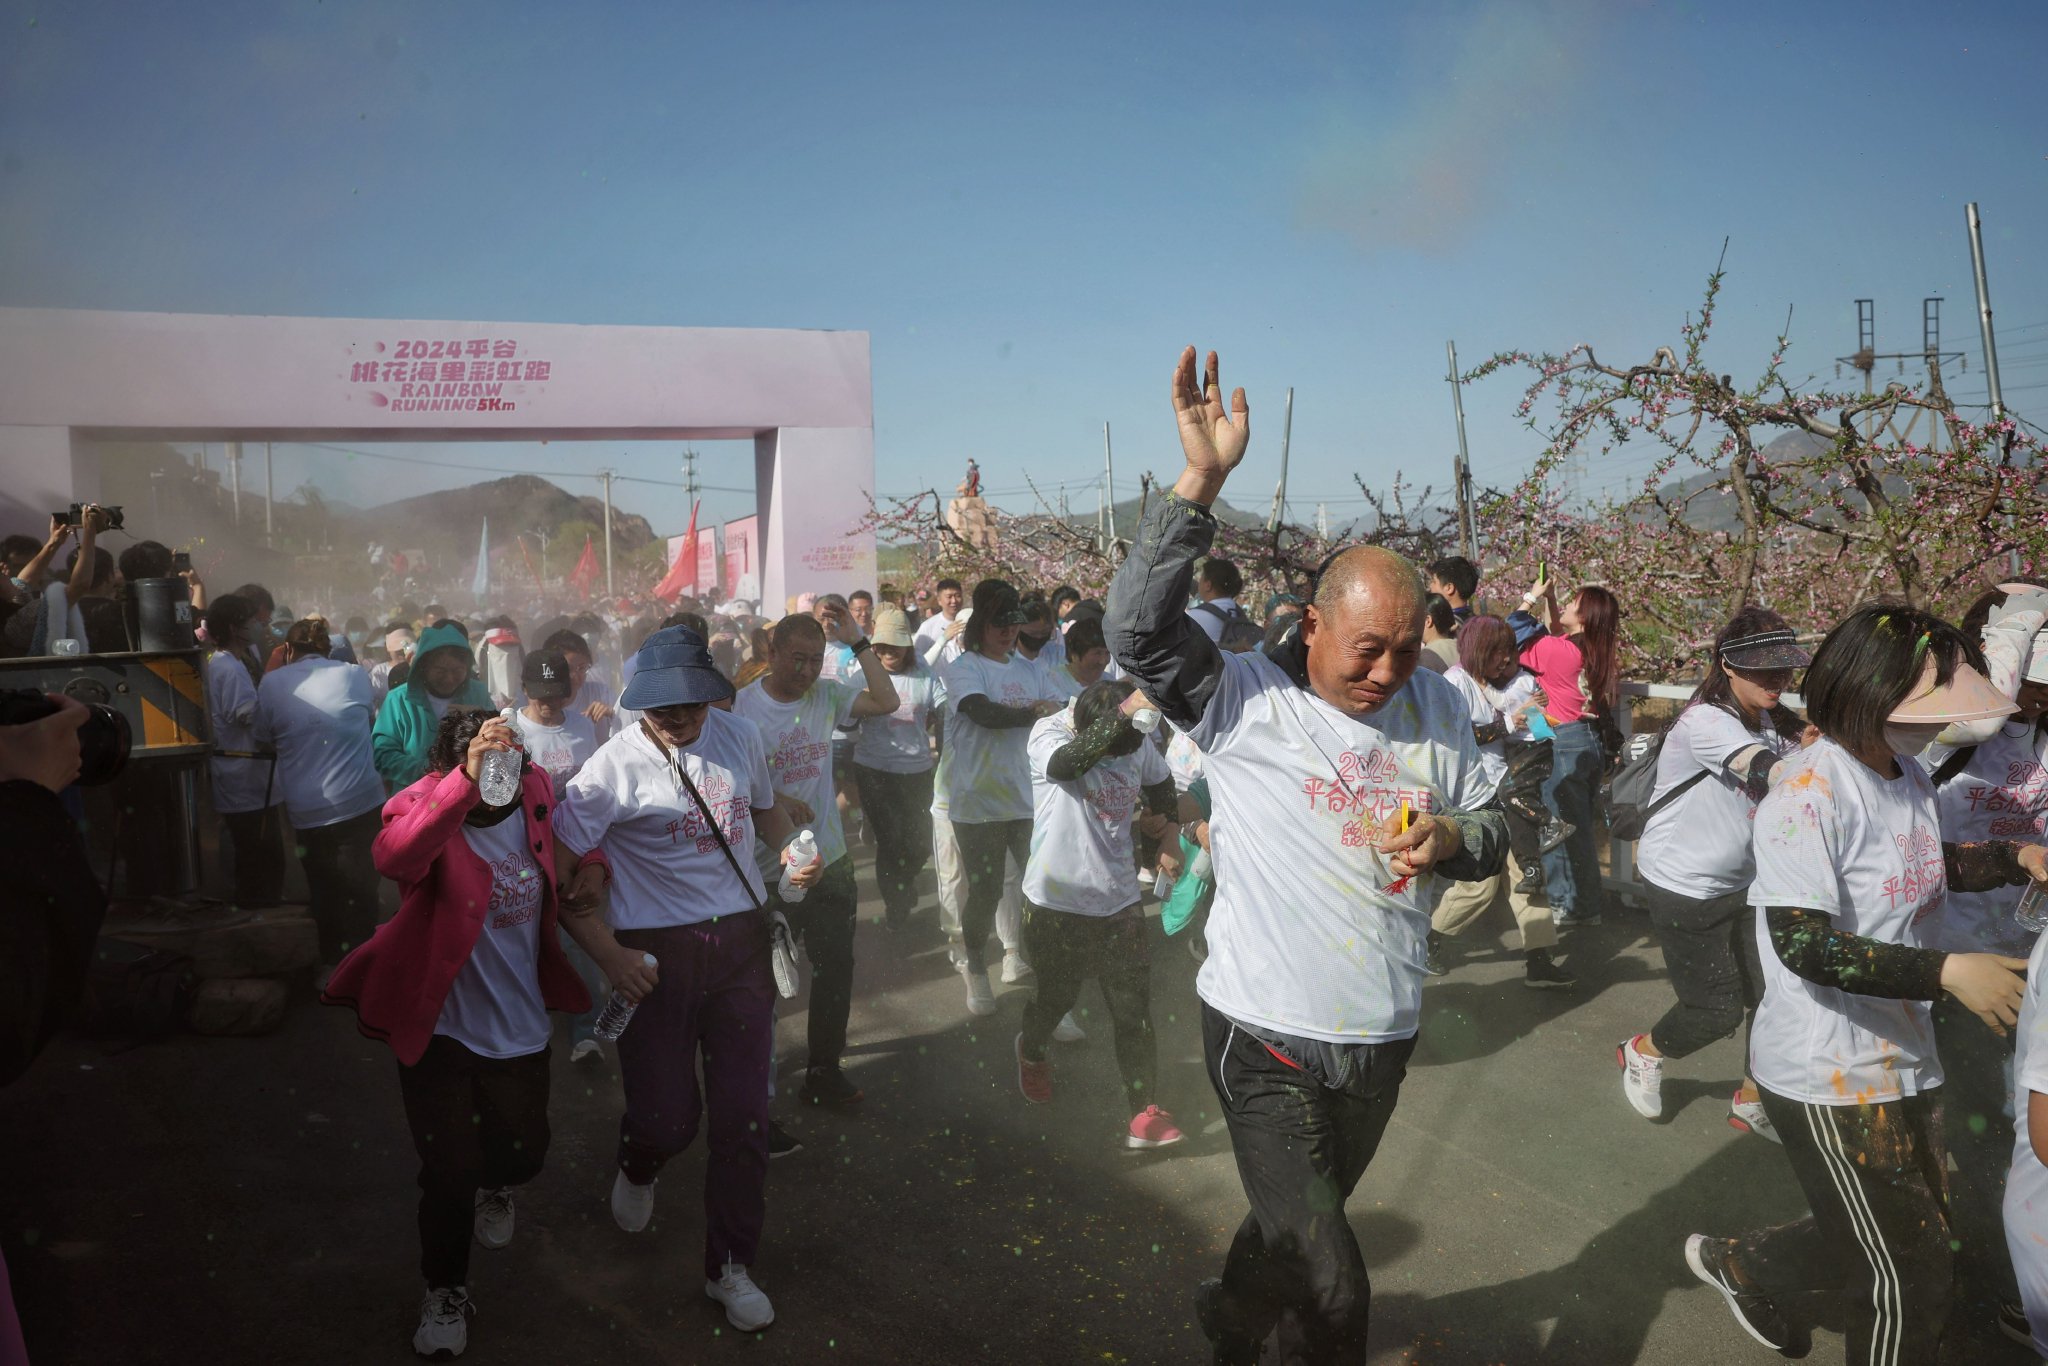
[(251, 1200)]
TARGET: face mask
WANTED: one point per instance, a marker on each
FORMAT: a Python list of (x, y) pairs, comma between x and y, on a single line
[(1908, 738)]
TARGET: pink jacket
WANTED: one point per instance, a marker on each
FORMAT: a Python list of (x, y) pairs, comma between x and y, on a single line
[(397, 982)]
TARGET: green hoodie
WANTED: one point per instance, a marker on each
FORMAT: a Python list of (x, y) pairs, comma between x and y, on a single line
[(406, 726)]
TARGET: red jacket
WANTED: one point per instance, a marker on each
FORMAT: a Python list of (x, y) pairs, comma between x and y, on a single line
[(397, 982)]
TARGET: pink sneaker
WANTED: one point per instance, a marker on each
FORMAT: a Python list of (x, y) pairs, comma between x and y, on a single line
[(1034, 1079), (1153, 1129)]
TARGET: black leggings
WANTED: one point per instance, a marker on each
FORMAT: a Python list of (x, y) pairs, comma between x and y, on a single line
[(1710, 951), (1876, 1177), (898, 807), (258, 840), (1066, 950), (983, 847), (476, 1122)]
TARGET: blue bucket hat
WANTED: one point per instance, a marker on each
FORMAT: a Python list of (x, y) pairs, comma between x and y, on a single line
[(674, 669)]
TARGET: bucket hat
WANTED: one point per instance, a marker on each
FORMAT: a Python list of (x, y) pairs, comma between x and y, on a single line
[(674, 668)]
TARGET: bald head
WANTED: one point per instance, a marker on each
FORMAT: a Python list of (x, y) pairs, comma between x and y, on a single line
[(1389, 579), (1364, 630)]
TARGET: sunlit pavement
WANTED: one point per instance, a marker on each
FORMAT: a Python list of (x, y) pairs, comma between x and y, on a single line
[(219, 1200)]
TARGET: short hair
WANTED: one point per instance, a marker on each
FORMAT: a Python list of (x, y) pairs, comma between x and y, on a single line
[(17, 550), (356, 624), (1353, 565), (1099, 699), (1036, 608), (225, 615), (501, 622), (1066, 592), (793, 625), (861, 595), (460, 628), (391, 626), (259, 595), (1438, 609), (1457, 573), (688, 620), (450, 749), (102, 566), (308, 636), (146, 560), (568, 643), (1221, 575), (943, 584), (433, 611), (1083, 636), (1870, 663)]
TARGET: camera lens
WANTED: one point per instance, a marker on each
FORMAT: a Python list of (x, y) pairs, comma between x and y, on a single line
[(103, 744)]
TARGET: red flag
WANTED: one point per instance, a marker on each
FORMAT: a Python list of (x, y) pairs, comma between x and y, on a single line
[(584, 576), (683, 573)]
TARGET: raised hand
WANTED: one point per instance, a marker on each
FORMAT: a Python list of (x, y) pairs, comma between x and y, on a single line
[(1213, 441)]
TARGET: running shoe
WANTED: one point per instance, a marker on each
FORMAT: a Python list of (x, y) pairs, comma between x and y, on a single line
[(1574, 920), (632, 1206), (781, 1143), (746, 1308), (1530, 884), (2012, 1321), (1553, 834), (1034, 1079), (1749, 1116), (1153, 1128), (1068, 1030), (1708, 1258), (1015, 969), (981, 997), (1229, 1349), (494, 1217), (585, 1049), (445, 1313), (1642, 1078), (828, 1086), (1433, 955), (1543, 974)]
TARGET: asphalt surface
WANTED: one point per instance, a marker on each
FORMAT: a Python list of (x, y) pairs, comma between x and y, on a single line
[(251, 1200)]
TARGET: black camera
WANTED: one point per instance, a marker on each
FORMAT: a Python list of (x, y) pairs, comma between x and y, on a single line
[(181, 562), (103, 741), (77, 512)]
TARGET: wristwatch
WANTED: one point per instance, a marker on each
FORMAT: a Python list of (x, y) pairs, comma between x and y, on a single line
[(862, 644)]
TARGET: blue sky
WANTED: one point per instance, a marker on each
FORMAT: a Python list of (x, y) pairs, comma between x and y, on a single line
[(1032, 208)]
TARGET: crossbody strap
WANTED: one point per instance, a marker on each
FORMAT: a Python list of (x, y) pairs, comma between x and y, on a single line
[(1673, 795), (717, 832)]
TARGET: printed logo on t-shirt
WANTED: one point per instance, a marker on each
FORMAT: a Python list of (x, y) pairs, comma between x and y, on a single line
[(1924, 884), (515, 892), (795, 758), (1014, 694), (731, 809), (1112, 797), (2019, 802), (1368, 786)]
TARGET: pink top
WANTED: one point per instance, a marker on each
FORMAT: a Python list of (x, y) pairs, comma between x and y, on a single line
[(1557, 663)]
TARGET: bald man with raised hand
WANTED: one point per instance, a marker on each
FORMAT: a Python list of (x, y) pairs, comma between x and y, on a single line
[(1346, 791)]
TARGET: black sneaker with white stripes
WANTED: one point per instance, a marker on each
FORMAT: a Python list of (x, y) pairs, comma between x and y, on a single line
[(1708, 1258)]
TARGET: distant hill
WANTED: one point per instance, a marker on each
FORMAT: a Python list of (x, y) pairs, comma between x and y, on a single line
[(445, 523), (1719, 513)]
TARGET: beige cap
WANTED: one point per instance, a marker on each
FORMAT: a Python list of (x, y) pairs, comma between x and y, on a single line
[(891, 628), (1968, 696)]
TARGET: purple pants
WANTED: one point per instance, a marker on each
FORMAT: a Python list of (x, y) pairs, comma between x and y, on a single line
[(714, 997)]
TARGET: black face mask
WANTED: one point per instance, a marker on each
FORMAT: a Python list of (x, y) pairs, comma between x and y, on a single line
[(1035, 642)]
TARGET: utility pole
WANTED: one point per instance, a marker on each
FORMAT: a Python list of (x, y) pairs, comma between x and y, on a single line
[(235, 477), (607, 477), (269, 496), (1108, 491), (1991, 385), (690, 475), (1280, 489), (1461, 473), (1322, 522)]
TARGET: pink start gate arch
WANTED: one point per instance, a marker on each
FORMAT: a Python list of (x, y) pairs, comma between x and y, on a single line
[(72, 379)]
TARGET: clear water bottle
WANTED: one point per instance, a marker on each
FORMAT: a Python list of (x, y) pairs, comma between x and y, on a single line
[(801, 851), (499, 782), (2031, 914), (617, 1012)]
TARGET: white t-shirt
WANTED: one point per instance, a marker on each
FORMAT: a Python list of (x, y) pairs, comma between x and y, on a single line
[(558, 751), (1081, 853), (898, 742), (2000, 794), (798, 738), (238, 784), (1307, 935), (929, 632), (1053, 653), (1835, 837), (1701, 844), (494, 1005), (1060, 685), (2026, 1184), (317, 715), (1483, 709), (1212, 624), (840, 665), (987, 773), (1183, 761), (666, 865)]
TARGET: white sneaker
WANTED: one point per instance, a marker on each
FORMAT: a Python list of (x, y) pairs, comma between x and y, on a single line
[(1067, 1030), (494, 1217), (746, 1308), (1015, 969), (1749, 1116), (443, 1333), (956, 951), (1146, 877), (1642, 1079), (632, 1206), (586, 1048), (981, 997)]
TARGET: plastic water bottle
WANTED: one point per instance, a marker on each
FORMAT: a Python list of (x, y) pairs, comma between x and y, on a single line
[(617, 1013), (2031, 914), (1145, 720), (801, 851), (499, 782)]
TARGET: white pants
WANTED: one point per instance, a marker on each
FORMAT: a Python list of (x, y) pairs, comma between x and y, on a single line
[(953, 889)]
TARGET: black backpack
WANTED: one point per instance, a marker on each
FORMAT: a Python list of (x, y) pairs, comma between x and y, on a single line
[(1629, 807), (1240, 633)]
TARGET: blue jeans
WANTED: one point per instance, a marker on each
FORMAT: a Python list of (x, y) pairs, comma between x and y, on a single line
[(1571, 873)]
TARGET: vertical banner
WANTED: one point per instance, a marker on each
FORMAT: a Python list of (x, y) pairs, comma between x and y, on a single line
[(743, 558)]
